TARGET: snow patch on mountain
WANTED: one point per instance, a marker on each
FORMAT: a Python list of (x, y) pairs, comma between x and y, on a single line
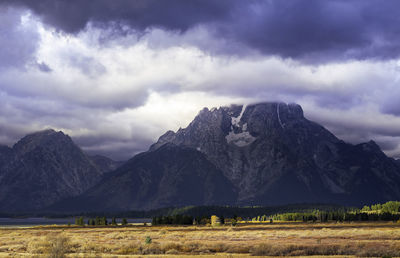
[(236, 120), (279, 117), (239, 139)]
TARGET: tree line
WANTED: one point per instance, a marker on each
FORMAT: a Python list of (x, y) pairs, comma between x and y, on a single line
[(388, 211), (388, 207), (173, 220), (99, 221)]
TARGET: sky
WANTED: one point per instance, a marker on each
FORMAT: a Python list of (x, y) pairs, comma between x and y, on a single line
[(115, 75)]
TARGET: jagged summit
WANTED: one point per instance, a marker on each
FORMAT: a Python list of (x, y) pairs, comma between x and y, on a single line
[(266, 148), (258, 154), (242, 125), (278, 111)]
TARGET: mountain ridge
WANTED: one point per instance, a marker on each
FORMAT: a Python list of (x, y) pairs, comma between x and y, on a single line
[(271, 155), (247, 155), (149, 180), (42, 168), (302, 144)]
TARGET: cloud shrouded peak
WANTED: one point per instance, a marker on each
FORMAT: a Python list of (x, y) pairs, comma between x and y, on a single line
[(115, 75)]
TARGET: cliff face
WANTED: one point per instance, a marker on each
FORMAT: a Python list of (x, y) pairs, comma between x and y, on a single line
[(43, 168)]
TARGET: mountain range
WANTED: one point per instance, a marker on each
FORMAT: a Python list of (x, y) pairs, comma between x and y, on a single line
[(259, 154)]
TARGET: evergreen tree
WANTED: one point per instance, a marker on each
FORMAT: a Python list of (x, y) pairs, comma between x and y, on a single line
[(104, 221), (79, 221), (97, 221)]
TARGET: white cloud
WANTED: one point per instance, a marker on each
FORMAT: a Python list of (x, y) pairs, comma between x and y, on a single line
[(118, 98)]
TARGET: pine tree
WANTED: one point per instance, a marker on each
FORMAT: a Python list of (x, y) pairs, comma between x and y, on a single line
[(97, 221), (79, 221)]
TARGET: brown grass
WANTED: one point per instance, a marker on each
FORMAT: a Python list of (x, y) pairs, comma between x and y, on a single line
[(290, 239)]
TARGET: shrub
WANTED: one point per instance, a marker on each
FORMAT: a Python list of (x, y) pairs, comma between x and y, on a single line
[(51, 246), (233, 222), (148, 240), (59, 247)]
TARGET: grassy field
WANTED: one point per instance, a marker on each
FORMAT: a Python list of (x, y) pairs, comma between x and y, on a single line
[(277, 239)]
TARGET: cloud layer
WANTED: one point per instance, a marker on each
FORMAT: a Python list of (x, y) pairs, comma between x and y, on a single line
[(116, 74), (311, 30)]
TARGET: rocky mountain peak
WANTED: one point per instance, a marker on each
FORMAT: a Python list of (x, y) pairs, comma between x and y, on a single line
[(257, 145), (273, 114), (45, 167), (371, 146), (258, 154), (241, 125), (48, 139)]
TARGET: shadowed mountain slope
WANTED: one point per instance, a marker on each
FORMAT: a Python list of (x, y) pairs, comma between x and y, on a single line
[(261, 154), (43, 168), (272, 154), (169, 176)]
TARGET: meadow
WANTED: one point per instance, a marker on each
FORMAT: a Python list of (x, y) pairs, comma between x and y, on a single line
[(364, 239)]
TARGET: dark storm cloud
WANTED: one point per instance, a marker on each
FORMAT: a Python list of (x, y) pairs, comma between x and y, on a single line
[(114, 53), (72, 15), (314, 30), (310, 30)]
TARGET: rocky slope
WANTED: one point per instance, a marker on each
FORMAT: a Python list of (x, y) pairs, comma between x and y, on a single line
[(104, 164), (261, 154), (43, 168), (273, 155), (169, 176)]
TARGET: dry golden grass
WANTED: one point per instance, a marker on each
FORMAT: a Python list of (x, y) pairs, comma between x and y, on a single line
[(290, 239)]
